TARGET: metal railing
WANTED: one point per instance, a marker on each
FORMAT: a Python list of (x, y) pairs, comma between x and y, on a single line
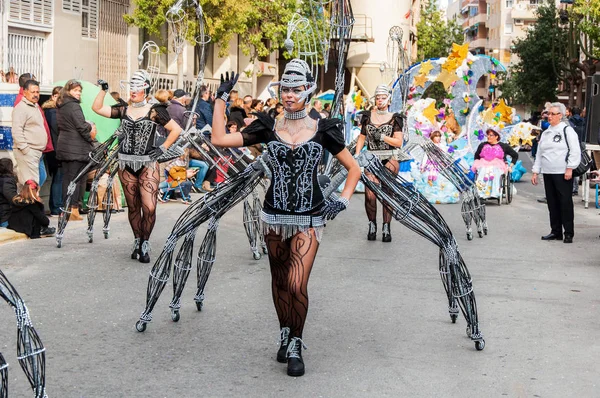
[(25, 54), (363, 28), (168, 81)]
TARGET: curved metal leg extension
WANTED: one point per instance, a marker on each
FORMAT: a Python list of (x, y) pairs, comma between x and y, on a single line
[(206, 259), (107, 200), (30, 350), (256, 209), (250, 228), (3, 377), (92, 207), (181, 271), (63, 219)]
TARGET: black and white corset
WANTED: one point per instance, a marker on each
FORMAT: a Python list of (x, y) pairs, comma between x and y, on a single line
[(387, 129), (138, 137), (294, 198)]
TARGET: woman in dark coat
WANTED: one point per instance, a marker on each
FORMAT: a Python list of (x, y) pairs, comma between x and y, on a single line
[(75, 141), (27, 211), (237, 113), (8, 189), (54, 168)]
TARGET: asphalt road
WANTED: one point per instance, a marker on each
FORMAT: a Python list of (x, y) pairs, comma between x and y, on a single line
[(377, 325)]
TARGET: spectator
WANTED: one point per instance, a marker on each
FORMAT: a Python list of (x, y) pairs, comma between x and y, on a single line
[(315, 112), (269, 104), (177, 176), (276, 111), (27, 210), (29, 134), (187, 100), (257, 106), (203, 109), (163, 96), (8, 189), (248, 104), (327, 109), (237, 113), (10, 76), (579, 125), (558, 154), (177, 109), (76, 138), (54, 167)]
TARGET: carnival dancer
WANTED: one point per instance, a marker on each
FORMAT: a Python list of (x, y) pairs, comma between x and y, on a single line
[(138, 154), (382, 132), (294, 210)]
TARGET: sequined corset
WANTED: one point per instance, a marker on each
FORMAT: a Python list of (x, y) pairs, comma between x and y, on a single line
[(294, 187), (385, 129), (138, 141)]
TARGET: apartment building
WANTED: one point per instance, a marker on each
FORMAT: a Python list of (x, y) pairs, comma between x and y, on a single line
[(88, 39)]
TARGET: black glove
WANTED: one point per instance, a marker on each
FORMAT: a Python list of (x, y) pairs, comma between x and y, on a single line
[(333, 207), (227, 85), (103, 84), (157, 152)]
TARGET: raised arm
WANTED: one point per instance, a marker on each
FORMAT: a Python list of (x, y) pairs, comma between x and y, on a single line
[(98, 105), (218, 136)]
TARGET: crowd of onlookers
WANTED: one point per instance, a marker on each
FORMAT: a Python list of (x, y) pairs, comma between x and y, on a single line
[(53, 139)]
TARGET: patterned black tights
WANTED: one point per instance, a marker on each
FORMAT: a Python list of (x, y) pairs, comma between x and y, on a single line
[(371, 200), (141, 190), (291, 262)]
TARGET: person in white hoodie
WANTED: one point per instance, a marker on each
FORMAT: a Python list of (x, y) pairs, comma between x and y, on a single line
[(558, 154)]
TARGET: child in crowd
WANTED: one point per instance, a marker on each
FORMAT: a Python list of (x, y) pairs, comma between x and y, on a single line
[(27, 211), (8, 189)]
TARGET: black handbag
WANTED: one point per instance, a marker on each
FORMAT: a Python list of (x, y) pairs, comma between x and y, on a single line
[(586, 161)]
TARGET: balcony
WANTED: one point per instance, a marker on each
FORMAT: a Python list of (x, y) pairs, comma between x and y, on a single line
[(478, 43), (168, 81), (524, 11), (476, 20)]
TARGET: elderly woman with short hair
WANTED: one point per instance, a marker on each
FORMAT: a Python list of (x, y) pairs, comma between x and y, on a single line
[(558, 154)]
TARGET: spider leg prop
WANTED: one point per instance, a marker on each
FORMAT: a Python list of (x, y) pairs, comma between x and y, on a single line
[(97, 157), (411, 208), (472, 207), (213, 204), (30, 350), (93, 198), (107, 200), (206, 259)]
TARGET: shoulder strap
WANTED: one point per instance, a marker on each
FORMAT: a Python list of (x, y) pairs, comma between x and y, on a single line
[(568, 147)]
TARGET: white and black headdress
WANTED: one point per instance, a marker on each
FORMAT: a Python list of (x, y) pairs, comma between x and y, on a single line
[(383, 89), (297, 73), (140, 80)]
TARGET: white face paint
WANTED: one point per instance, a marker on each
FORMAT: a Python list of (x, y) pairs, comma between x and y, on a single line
[(293, 98)]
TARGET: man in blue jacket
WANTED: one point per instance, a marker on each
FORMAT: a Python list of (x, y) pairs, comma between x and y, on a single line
[(204, 109)]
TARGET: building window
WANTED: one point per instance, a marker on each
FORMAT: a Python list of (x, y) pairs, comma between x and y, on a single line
[(89, 18), (25, 54), (72, 5), (534, 2), (518, 22), (37, 13), (509, 3), (508, 28)]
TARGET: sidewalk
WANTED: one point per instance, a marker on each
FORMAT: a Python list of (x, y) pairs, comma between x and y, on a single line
[(8, 235)]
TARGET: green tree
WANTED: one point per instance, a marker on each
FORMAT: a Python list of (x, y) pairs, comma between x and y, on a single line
[(536, 75), (260, 24), (435, 35)]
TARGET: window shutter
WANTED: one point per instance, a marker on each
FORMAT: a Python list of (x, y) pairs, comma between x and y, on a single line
[(34, 12), (72, 5)]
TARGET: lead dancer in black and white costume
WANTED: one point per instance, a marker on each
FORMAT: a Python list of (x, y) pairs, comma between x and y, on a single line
[(382, 132), (295, 209), (138, 155)]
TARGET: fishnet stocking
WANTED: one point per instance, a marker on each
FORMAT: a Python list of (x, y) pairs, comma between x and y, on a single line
[(291, 262), (371, 200), (141, 192)]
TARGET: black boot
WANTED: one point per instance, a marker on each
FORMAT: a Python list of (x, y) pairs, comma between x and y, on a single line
[(386, 236), (284, 340), (144, 256), (136, 249), (294, 357), (372, 234)]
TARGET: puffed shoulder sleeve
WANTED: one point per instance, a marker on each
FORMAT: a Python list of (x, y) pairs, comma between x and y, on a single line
[(159, 114), (333, 137), (398, 122), (117, 111), (259, 131), (364, 120)]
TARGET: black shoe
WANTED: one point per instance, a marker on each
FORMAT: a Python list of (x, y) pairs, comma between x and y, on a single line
[(542, 200), (372, 234), (84, 211), (386, 236), (568, 239), (552, 236), (284, 340), (575, 193), (136, 249), (294, 357), (144, 256), (47, 231)]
